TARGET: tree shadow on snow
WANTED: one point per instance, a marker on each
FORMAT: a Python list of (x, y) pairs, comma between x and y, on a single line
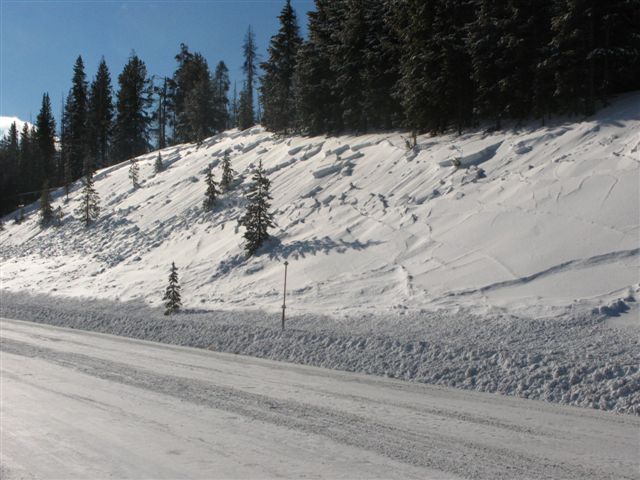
[(276, 250)]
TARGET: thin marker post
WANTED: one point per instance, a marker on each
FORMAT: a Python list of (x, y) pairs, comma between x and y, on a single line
[(284, 296)]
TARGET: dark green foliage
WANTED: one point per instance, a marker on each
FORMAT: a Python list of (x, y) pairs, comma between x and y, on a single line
[(9, 170), (199, 110), (594, 51), (46, 210), (220, 87), (89, 207), (158, 166), (45, 138), (134, 172), (131, 133), (277, 82), (317, 106), (171, 298), (348, 63), (258, 219), (192, 98), (75, 139), (100, 115), (161, 115), (246, 113), (227, 172), (211, 195)]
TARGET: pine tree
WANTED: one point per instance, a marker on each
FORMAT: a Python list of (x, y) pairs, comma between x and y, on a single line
[(246, 114), (100, 115), (200, 111), (171, 296), (10, 180), (158, 166), (75, 119), (234, 108), (277, 82), (46, 210), (67, 179), (191, 106), (58, 215), (258, 219), (27, 161), (227, 172), (134, 172), (164, 105), (89, 207), (45, 135), (131, 132), (212, 192), (221, 85), (317, 107)]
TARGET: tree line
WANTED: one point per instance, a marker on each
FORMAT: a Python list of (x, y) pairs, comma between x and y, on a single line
[(429, 66), (99, 128), (422, 66)]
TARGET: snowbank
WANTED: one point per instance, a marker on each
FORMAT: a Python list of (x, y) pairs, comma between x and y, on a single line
[(577, 361)]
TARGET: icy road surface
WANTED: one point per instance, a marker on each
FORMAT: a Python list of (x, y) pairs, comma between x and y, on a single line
[(84, 405)]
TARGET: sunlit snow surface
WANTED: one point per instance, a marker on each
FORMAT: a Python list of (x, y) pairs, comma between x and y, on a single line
[(537, 221), (515, 273)]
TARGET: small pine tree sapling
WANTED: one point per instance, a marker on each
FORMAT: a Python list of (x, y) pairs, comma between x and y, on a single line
[(1, 225), (258, 219), (67, 179), (58, 215), (46, 210), (158, 166), (172, 300), (19, 218), (212, 192), (134, 172), (89, 208), (227, 172)]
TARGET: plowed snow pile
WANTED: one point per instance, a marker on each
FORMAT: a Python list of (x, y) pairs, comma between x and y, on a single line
[(531, 223)]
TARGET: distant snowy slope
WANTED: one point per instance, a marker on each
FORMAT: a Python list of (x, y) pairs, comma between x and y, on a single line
[(535, 221), (5, 124)]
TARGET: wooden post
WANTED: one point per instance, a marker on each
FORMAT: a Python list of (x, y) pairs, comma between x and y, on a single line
[(284, 297)]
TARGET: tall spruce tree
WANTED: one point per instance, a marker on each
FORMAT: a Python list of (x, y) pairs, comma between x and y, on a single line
[(131, 133), (30, 167), (76, 111), (258, 219), (100, 115), (45, 135), (246, 112), (348, 64), (46, 210), (317, 106), (211, 195), (172, 297), (221, 86), (10, 170), (192, 74), (199, 110), (276, 90), (89, 208)]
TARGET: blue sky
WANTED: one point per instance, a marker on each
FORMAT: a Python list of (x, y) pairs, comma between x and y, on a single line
[(40, 40)]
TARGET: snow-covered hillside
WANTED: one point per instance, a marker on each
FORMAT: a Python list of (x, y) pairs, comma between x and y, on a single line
[(535, 221)]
